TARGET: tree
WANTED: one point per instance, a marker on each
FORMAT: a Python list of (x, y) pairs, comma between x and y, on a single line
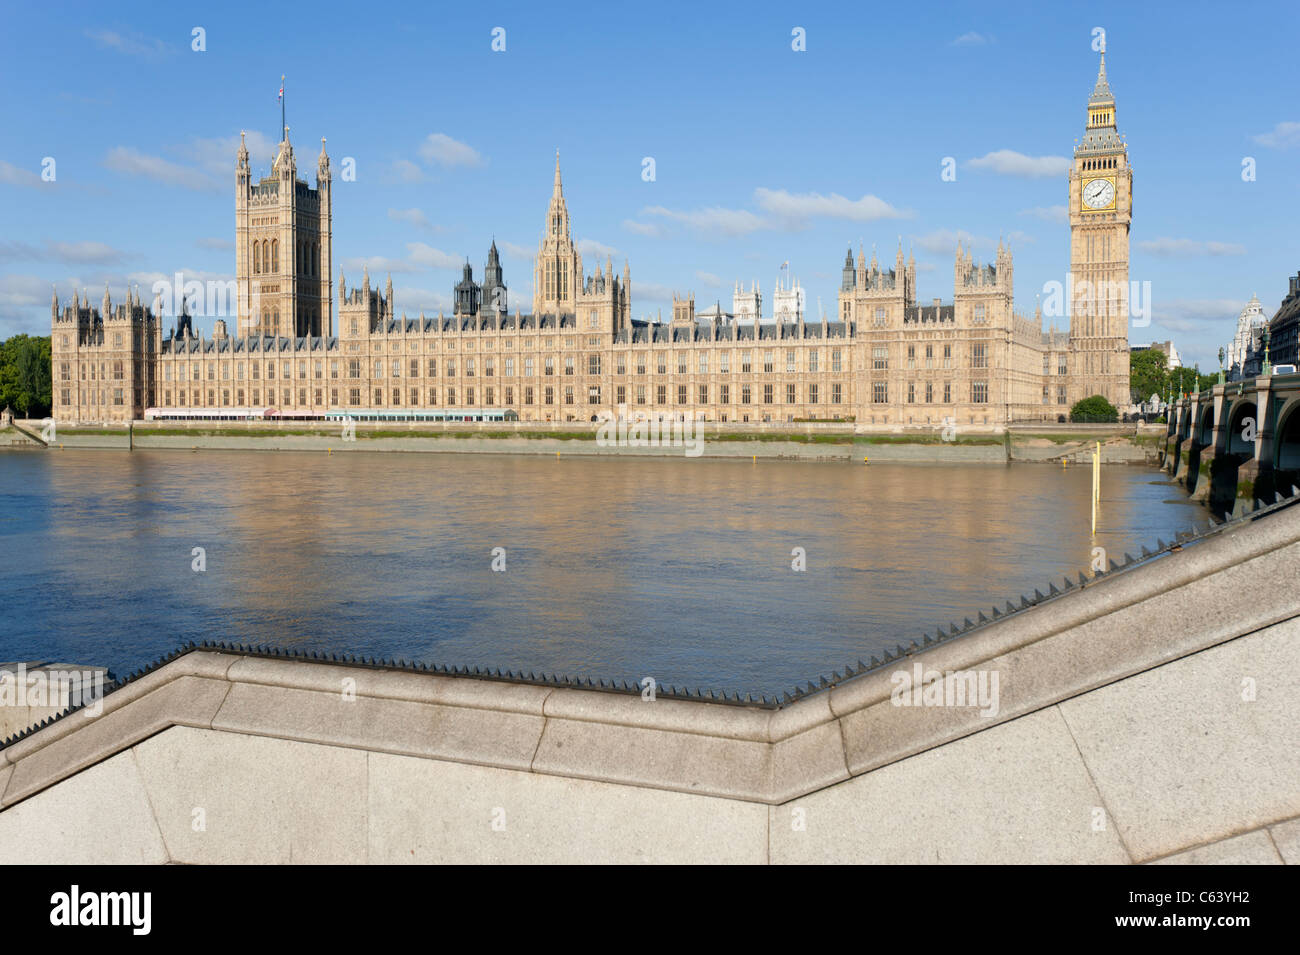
[(25, 375), (1094, 409), (1148, 374), (1187, 381)]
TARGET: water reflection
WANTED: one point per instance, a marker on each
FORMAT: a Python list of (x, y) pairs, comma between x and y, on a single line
[(673, 568)]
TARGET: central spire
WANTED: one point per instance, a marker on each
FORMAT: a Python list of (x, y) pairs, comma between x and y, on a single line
[(559, 188)]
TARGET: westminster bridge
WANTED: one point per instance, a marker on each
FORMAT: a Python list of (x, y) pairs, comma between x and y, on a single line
[(1237, 441)]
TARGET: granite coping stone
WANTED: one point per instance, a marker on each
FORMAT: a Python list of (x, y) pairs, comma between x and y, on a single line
[(187, 701), (680, 716), (206, 664), (487, 737), (685, 762)]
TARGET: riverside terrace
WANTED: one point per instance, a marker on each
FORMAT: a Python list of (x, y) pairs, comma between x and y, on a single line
[(1116, 738), (1237, 441)]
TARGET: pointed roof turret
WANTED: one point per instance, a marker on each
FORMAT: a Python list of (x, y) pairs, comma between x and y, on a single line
[(559, 187), (1101, 91)]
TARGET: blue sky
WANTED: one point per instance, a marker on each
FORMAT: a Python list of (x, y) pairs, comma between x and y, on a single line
[(762, 154)]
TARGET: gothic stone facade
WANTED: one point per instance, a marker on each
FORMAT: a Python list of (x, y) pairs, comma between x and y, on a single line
[(885, 361)]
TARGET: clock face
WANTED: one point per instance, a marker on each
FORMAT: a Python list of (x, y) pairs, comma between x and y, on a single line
[(1098, 193)]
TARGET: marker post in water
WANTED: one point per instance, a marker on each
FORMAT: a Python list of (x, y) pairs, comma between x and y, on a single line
[(1096, 485)]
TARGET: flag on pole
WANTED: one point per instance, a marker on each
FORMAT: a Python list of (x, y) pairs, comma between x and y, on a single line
[(785, 264), (280, 97)]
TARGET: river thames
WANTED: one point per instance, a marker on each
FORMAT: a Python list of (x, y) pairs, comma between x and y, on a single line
[(679, 569)]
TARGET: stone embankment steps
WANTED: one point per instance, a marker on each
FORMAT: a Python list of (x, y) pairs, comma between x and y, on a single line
[(17, 436)]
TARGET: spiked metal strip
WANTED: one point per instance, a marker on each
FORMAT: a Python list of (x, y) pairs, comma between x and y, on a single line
[(625, 688)]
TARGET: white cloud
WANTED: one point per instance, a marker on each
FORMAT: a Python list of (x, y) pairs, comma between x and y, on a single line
[(1054, 214), (415, 217), (517, 251), (1008, 162), (652, 292), (1197, 315), (420, 257), (132, 44), (17, 176), (709, 279), (216, 156), (731, 222), (132, 162), (413, 301), (798, 207), (944, 241), (93, 253), (441, 149), (1282, 136), (973, 39), (405, 171), (429, 257), (592, 247), (1189, 247), (651, 229)]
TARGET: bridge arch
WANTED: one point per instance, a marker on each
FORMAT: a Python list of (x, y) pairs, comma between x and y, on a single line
[(1202, 436), (1239, 447), (1286, 447)]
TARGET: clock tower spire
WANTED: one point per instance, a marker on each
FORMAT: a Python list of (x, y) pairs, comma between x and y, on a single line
[(1101, 212)]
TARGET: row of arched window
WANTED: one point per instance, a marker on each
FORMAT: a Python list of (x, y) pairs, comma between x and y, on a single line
[(266, 257), (1101, 164)]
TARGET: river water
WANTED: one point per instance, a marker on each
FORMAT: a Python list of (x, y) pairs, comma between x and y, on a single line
[(674, 568)]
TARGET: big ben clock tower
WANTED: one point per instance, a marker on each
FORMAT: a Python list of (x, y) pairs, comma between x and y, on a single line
[(1101, 210)]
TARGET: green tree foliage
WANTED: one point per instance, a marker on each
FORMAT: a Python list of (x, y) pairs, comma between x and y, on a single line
[(25, 375), (1190, 381), (1094, 409), (1148, 374)]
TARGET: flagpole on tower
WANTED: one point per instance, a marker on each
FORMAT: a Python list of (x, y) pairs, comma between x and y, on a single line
[(283, 134)]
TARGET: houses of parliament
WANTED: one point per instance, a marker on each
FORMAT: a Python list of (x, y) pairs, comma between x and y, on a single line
[(885, 360)]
